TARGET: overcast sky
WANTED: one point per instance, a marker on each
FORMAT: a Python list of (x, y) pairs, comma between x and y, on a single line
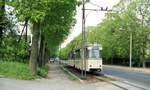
[(92, 17)]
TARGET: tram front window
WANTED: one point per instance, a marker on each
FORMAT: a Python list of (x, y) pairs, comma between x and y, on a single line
[(95, 53)]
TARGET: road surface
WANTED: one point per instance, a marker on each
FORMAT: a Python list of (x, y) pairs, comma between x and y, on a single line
[(136, 77)]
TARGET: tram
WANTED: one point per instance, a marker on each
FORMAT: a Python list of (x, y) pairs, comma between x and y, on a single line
[(93, 58)]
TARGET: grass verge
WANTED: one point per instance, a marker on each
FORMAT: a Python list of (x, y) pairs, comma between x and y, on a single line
[(15, 70), (43, 71), (70, 75), (20, 71)]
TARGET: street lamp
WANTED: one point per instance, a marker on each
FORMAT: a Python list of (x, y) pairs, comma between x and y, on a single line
[(59, 54), (131, 42), (130, 63)]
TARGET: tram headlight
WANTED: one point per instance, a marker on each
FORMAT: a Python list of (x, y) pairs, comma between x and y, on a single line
[(99, 65), (90, 65)]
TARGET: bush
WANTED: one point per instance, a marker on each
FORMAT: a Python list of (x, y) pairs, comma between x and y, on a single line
[(15, 70), (43, 71), (11, 50)]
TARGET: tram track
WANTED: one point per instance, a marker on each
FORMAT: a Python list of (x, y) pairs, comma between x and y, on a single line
[(110, 80), (133, 85), (93, 77), (114, 84), (118, 85)]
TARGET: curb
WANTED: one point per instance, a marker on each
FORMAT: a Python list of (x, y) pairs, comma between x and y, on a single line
[(129, 69), (1, 76), (70, 73), (113, 77)]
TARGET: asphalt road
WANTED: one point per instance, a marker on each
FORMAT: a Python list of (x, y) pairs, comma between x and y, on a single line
[(139, 78)]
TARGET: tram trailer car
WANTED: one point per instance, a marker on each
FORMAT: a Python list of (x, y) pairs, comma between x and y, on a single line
[(93, 59)]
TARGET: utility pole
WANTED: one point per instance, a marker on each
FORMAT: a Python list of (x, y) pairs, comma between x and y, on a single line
[(26, 31), (130, 63), (83, 72), (59, 54)]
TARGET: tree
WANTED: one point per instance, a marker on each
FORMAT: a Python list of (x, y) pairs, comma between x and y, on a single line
[(2, 18), (50, 20), (113, 33)]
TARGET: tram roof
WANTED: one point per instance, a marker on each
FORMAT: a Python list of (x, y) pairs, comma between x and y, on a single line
[(90, 45)]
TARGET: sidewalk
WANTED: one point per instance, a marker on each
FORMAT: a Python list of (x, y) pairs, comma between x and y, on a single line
[(57, 80), (145, 70)]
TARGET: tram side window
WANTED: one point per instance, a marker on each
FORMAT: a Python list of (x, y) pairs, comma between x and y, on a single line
[(87, 53), (72, 55), (78, 54), (100, 53)]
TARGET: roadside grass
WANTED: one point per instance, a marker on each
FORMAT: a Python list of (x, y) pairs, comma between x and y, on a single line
[(15, 70), (70, 75), (43, 71), (20, 71)]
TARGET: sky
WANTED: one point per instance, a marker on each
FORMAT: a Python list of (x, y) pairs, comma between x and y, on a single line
[(12, 17), (92, 17)]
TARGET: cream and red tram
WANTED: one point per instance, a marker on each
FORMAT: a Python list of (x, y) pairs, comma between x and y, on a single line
[(93, 59)]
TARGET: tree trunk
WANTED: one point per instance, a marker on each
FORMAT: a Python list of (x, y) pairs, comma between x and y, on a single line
[(39, 50), (43, 53), (46, 56), (111, 60), (144, 64), (139, 64), (2, 17), (40, 56), (34, 48), (143, 54)]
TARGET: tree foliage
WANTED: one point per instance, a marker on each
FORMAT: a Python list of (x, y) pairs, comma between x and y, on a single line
[(51, 21), (2, 18), (114, 33)]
